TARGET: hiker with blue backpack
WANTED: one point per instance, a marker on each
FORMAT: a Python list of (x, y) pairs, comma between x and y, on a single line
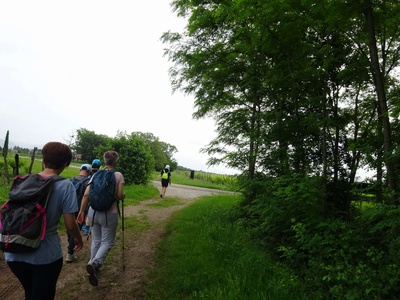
[(105, 189), (80, 183), (38, 269), (165, 180), (96, 163)]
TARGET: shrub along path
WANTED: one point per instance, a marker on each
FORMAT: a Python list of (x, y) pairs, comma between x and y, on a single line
[(116, 282)]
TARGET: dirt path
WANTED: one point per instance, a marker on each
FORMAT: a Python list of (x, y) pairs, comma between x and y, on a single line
[(115, 282)]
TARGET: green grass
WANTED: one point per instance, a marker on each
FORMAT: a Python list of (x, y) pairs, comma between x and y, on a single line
[(138, 193), (206, 255), (167, 202), (201, 179)]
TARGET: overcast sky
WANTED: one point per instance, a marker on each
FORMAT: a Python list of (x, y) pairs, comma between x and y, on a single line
[(97, 65)]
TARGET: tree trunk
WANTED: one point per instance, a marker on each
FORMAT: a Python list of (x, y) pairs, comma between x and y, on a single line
[(382, 101)]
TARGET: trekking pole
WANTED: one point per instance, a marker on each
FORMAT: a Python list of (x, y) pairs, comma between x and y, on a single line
[(123, 240)]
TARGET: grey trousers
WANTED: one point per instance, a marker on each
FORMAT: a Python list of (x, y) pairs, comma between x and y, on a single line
[(104, 230)]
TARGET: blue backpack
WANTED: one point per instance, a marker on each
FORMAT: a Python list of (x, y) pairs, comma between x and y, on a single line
[(80, 187), (102, 190)]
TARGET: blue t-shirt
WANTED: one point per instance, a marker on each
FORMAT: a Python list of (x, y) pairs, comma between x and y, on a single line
[(62, 201)]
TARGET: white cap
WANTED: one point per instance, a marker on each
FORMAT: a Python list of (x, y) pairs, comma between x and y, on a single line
[(167, 167)]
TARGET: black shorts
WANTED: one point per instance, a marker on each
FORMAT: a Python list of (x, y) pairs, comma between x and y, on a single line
[(164, 182)]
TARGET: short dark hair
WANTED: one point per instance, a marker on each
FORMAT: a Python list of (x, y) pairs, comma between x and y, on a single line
[(111, 157), (56, 155)]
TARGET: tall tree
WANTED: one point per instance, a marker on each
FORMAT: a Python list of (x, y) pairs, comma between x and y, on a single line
[(277, 76), (381, 64), (87, 142), (162, 152), (220, 60)]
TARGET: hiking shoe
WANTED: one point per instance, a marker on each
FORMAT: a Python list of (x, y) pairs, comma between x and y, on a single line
[(71, 258), (161, 195), (91, 269)]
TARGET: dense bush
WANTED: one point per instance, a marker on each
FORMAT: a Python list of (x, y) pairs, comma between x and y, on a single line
[(136, 161), (279, 201), (337, 258), (349, 260)]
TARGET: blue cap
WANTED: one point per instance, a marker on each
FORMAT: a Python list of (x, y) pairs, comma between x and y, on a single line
[(96, 162)]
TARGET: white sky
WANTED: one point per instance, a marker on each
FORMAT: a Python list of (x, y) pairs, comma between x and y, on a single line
[(97, 65)]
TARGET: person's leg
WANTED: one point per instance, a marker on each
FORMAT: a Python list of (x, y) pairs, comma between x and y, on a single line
[(45, 280), (109, 224), (96, 232), (164, 185), (162, 191), (71, 244), (165, 190), (108, 229), (39, 281), (24, 273)]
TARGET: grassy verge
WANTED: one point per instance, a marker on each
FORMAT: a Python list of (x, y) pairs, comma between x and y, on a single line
[(211, 181), (138, 193), (206, 255)]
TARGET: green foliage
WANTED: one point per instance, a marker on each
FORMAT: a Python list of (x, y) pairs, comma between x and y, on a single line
[(11, 165), (278, 201), (355, 260), (135, 158), (91, 145), (207, 255), (335, 258), (3, 193), (87, 142), (217, 179), (162, 152), (293, 86)]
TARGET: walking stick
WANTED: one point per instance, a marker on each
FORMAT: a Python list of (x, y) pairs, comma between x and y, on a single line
[(123, 240)]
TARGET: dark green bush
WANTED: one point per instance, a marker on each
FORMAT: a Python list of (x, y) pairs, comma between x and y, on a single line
[(349, 260), (279, 201), (357, 257)]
